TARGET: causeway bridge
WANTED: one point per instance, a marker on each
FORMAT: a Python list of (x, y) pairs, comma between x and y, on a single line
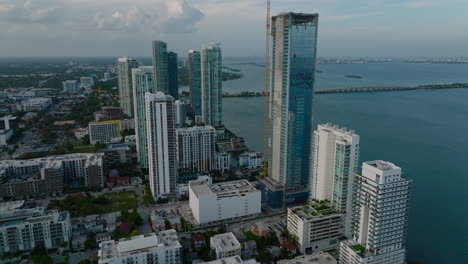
[(365, 89)]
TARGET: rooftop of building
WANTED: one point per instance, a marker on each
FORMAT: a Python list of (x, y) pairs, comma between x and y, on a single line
[(359, 249), (158, 96), (14, 213), (225, 242), (232, 260), (313, 210), (187, 130), (317, 258), (223, 189), (138, 244), (336, 128), (382, 165)]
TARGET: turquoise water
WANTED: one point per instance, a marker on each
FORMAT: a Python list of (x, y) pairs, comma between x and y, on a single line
[(424, 132)]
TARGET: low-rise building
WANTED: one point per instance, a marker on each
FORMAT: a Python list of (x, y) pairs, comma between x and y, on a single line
[(317, 226), (152, 248), (316, 258), (34, 104), (222, 162), (23, 229), (225, 245), (232, 260), (80, 132), (5, 135), (223, 201), (251, 160), (103, 132)]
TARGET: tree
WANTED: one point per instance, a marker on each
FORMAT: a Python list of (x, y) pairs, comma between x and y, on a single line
[(167, 224), (135, 232), (264, 257), (91, 243), (85, 140), (42, 259)]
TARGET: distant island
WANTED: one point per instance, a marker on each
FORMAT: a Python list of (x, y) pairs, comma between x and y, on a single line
[(354, 76)]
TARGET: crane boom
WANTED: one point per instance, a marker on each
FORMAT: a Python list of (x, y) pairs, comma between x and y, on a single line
[(267, 94)]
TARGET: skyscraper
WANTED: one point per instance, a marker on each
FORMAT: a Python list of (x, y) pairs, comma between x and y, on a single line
[(211, 86), (381, 198), (142, 83), (172, 68), (161, 144), (124, 72), (194, 68), (160, 67), (335, 155), (294, 37)]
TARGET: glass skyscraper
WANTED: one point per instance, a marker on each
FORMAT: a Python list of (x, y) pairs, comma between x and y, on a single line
[(194, 67), (172, 75), (211, 86), (294, 37), (142, 83), (160, 67)]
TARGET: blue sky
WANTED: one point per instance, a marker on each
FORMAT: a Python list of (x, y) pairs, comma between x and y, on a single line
[(398, 28)]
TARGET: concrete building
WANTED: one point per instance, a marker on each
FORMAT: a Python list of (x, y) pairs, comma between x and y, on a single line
[(232, 260), (107, 76), (335, 160), (194, 67), (380, 214), (223, 201), (142, 83), (180, 112), (127, 124), (8, 122), (87, 82), (211, 86), (251, 160), (225, 245), (160, 67), (34, 104), (316, 258), (23, 229), (103, 132), (222, 162), (162, 153), (109, 113), (196, 148), (317, 226), (124, 72), (172, 74), (294, 38), (71, 86), (48, 175), (152, 248)]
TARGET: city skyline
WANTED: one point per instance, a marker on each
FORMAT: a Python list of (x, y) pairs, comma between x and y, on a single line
[(67, 28)]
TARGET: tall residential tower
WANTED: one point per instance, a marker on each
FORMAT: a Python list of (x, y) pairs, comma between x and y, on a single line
[(211, 86), (124, 72), (172, 74), (160, 67), (194, 68), (142, 83), (161, 136), (381, 200), (294, 37)]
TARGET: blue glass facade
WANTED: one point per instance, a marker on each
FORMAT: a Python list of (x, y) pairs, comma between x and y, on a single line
[(291, 101), (194, 67), (173, 74)]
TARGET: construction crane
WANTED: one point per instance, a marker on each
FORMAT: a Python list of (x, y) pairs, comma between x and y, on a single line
[(267, 94)]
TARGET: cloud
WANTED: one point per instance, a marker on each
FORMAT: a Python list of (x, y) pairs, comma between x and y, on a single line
[(167, 16), (418, 4), (29, 11)]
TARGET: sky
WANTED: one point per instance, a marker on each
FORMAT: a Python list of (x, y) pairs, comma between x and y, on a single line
[(88, 28)]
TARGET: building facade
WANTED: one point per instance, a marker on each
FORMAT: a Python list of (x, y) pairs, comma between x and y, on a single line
[(23, 229), (163, 247), (142, 83), (380, 214), (124, 73), (223, 201), (103, 132), (87, 82), (162, 153), (294, 38), (70, 86), (251, 160), (34, 104), (317, 226), (211, 86), (196, 148), (335, 156), (225, 245), (160, 67), (109, 113), (172, 74), (194, 68), (180, 112)]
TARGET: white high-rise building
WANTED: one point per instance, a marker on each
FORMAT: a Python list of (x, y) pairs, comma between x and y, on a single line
[(124, 72), (196, 148), (161, 138), (335, 160), (70, 86), (163, 247), (381, 200), (211, 86), (23, 229), (87, 82)]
